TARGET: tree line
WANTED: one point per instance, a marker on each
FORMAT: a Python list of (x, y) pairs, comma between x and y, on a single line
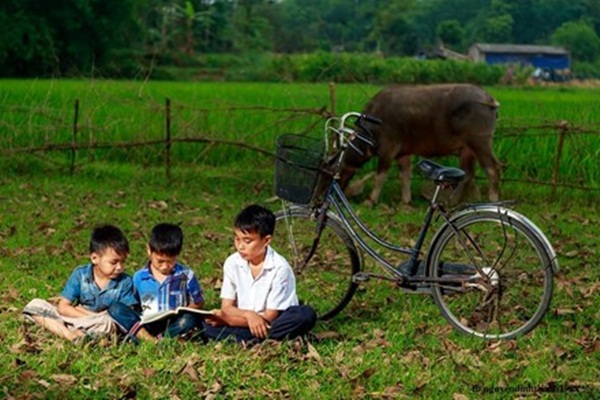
[(122, 37)]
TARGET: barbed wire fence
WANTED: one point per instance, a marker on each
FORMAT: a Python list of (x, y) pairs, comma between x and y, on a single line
[(564, 133), (192, 126)]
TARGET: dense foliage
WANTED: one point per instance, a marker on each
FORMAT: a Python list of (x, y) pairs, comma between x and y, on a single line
[(91, 37)]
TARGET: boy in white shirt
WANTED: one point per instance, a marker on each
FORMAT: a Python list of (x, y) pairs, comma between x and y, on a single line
[(258, 296)]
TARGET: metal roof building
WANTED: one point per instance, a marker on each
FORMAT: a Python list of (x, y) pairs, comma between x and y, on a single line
[(545, 57)]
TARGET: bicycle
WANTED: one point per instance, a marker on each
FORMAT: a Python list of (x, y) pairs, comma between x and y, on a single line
[(488, 268)]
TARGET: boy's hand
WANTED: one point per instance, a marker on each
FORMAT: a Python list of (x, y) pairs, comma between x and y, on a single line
[(257, 325), (216, 319)]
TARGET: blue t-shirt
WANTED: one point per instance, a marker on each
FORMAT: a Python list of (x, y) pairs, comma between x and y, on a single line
[(83, 290), (179, 289)]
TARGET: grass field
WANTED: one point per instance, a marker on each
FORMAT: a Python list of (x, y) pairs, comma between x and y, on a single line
[(41, 113), (386, 344)]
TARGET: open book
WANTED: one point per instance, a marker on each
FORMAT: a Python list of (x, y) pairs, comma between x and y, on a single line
[(149, 318)]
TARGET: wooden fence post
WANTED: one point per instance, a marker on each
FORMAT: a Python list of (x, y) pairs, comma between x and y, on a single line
[(168, 137), (74, 139), (563, 126), (332, 97)]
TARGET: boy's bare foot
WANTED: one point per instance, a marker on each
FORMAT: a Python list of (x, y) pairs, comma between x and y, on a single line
[(73, 336), (143, 334)]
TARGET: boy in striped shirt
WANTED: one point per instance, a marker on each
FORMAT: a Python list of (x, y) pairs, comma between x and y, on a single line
[(163, 284)]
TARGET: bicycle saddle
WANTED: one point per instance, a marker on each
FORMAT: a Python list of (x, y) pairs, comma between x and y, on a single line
[(439, 173)]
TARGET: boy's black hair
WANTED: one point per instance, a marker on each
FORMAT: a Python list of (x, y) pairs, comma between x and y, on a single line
[(108, 236), (166, 239), (255, 218)]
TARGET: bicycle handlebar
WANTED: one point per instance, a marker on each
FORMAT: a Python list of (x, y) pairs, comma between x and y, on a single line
[(345, 135), (371, 119), (359, 118)]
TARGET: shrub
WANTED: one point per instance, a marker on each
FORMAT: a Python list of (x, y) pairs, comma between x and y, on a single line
[(586, 70), (337, 67)]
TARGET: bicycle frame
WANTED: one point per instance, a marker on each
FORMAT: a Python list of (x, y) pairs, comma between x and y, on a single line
[(342, 206), (335, 197)]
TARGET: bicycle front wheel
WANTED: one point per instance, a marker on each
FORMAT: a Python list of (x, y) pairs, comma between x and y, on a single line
[(325, 281), (512, 292)]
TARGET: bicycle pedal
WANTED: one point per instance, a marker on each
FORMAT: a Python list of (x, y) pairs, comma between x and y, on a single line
[(361, 277)]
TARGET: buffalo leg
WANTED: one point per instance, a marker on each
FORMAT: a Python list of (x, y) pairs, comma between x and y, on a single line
[(383, 167), (404, 166), (467, 164), (491, 165)]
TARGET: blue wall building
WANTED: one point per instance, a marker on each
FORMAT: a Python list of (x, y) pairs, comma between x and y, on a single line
[(543, 57)]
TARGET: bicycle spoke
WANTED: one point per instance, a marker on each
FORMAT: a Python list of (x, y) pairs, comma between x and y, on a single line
[(324, 278), (515, 291)]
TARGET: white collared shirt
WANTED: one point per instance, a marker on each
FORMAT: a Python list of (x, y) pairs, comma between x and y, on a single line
[(273, 289)]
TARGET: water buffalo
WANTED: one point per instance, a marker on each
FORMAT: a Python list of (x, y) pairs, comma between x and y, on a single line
[(429, 121)]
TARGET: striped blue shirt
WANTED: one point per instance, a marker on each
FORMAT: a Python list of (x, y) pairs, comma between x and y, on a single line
[(181, 288)]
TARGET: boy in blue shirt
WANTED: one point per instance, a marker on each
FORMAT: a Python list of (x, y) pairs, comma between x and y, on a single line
[(258, 296), (90, 290), (162, 285)]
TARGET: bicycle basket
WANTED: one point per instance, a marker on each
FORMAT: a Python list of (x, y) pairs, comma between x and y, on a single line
[(297, 167)]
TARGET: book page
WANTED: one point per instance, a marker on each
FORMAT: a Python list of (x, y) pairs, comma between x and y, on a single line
[(158, 316)]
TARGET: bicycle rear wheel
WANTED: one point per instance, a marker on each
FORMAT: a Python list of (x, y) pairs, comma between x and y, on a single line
[(517, 268), (325, 282)]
